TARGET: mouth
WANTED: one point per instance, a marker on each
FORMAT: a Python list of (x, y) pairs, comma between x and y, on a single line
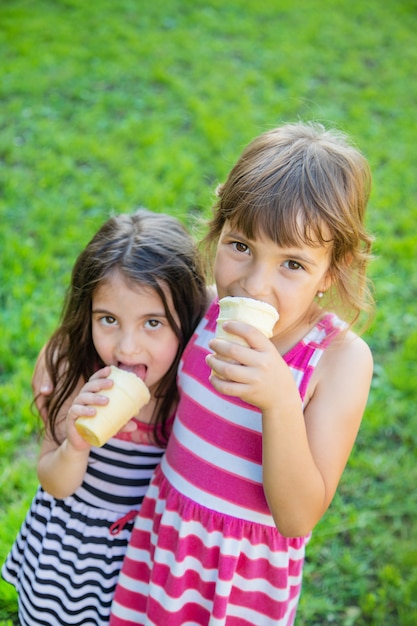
[(139, 370)]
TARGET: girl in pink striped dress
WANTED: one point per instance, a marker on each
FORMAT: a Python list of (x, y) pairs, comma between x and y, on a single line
[(262, 432)]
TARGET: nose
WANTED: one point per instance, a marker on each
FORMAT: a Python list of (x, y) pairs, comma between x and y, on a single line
[(257, 281), (129, 344)]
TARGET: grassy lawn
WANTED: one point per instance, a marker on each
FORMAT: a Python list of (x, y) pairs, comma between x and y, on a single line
[(106, 106)]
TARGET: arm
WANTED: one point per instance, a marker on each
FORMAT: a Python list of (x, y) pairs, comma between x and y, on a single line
[(304, 454), (41, 384), (318, 445), (61, 467)]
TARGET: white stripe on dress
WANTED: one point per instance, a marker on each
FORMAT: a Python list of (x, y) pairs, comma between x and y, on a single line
[(216, 456), (210, 501)]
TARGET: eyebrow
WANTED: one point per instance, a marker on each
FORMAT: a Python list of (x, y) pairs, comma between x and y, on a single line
[(299, 257), (150, 314), (235, 233), (97, 310)]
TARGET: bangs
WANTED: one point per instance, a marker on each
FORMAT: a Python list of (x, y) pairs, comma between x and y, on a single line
[(292, 225)]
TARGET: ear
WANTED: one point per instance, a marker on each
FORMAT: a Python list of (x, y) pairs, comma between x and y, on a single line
[(348, 259), (326, 282), (330, 276)]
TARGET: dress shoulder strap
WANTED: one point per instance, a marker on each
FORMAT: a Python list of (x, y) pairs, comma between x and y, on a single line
[(302, 359)]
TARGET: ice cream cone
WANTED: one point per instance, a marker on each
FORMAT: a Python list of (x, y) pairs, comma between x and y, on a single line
[(127, 396), (259, 314)]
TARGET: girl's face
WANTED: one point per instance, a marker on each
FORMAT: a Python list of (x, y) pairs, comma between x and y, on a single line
[(130, 328), (287, 278)]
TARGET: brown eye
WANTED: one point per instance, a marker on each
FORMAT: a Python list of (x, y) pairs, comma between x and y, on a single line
[(153, 323), (108, 320), (240, 247), (293, 265)]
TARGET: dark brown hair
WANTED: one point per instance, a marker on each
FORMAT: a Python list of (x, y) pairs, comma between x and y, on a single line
[(146, 248), (303, 183)]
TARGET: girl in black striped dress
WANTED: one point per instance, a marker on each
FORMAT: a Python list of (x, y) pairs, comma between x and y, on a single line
[(136, 295)]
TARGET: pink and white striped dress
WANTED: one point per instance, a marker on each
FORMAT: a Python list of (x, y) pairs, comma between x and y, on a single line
[(204, 549)]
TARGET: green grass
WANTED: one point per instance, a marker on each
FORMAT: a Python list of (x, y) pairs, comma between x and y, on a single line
[(109, 105)]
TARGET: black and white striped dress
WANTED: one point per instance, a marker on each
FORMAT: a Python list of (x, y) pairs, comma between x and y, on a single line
[(68, 553)]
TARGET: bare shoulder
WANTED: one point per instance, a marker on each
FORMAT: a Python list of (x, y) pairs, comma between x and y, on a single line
[(346, 365), (347, 353)]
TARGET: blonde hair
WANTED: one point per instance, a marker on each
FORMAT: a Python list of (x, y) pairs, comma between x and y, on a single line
[(303, 183)]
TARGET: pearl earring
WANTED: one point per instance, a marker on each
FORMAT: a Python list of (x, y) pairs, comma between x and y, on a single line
[(320, 294)]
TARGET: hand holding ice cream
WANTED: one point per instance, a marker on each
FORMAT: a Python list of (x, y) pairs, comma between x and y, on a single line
[(259, 314), (126, 397)]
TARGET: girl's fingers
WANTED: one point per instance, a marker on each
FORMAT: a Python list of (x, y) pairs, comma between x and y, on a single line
[(226, 369), (84, 404), (95, 385), (102, 373), (81, 410)]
